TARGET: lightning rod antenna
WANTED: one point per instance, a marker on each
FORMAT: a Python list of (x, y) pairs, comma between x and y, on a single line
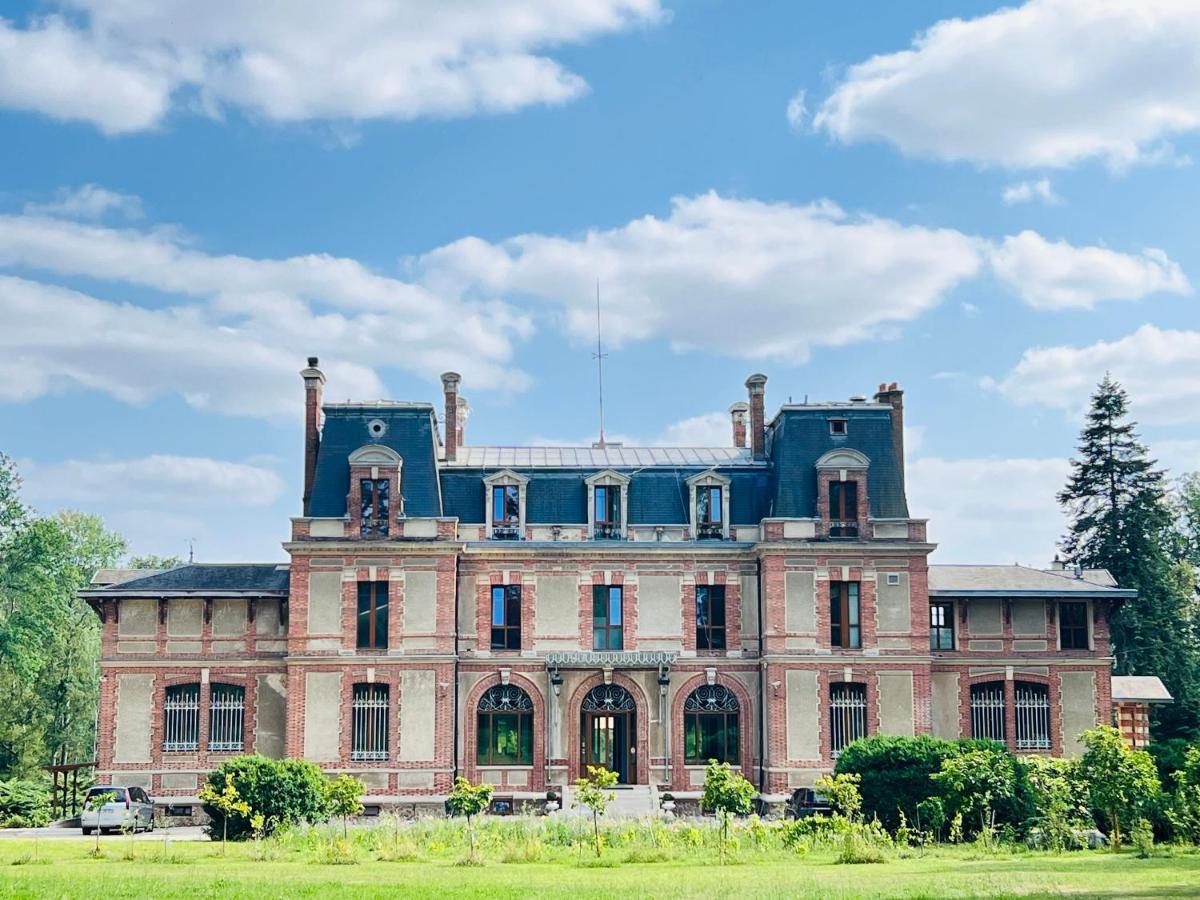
[(599, 356)]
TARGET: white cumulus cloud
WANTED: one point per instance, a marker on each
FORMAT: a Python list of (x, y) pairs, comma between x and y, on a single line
[(1046, 84), (741, 277), (90, 201), (123, 64), (1057, 275), (989, 510), (1157, 366), (1028, 191)]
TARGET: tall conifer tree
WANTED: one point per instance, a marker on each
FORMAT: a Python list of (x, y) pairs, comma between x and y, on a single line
[(1120, 521)]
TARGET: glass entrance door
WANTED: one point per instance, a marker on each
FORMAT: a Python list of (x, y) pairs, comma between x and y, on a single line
[(606, 742)]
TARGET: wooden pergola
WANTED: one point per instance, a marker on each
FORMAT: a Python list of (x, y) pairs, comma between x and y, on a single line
[(64, 792)]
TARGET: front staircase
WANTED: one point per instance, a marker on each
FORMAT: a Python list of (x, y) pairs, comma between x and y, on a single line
[(631, 801)]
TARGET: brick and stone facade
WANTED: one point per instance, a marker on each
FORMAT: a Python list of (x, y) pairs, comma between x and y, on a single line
[(799, 669)]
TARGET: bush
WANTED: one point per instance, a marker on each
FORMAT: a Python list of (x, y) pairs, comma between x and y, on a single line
[(896, 775), (24, 804), (286, 792), (1170, 756)]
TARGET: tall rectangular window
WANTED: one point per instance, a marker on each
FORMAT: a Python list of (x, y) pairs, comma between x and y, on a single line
[(709, 515), (369, 725), (506, 511), (987, 711), (941, 625), (710, 617), (181, 718), (847, 715), (226, 717), (843, 509), (607, 618), (1073, 625), (844, 625), (372, 615), (606, 500), (506, 617), (374, 505), (1032, 715)]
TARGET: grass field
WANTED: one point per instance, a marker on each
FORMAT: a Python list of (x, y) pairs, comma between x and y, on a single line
[(64, 868)]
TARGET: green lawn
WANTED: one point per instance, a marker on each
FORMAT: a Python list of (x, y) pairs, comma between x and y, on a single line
[(63, 868)]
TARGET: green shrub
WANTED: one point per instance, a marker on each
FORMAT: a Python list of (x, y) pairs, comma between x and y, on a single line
[(1170, 756), (896, 775), (24, 804), (286, 792)]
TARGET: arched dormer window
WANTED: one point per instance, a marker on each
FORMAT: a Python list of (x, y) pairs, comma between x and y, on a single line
[(504, 501), (842, 492), (708, 494), (375, 499), (608, 495)]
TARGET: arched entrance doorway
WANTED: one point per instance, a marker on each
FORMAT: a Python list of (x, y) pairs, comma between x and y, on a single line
[(608, 731)]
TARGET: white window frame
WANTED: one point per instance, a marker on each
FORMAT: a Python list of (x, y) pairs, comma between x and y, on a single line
[(505, 478), (607, 478), (711, 478)]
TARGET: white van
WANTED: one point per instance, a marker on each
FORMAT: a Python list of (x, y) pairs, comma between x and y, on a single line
[(124, 809)]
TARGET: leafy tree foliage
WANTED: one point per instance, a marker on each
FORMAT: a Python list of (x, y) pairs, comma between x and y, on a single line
[(595, 793), (1122, 783), (727, 793), (469, 800), (1120, 520), (285, 791), (977, 781), (343, 796), (49, 638), (153, 561)]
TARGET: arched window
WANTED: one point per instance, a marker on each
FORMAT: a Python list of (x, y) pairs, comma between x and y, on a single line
[(181, 718), (226, 717), (711, 726), (369, 722), (847, 714), (504, 727), (1033, 716), (987, 710)]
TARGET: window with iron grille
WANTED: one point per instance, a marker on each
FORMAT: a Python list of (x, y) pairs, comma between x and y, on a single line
[(369, 722), (941, 625), (506, 511), (506, 617), (607, 617), (843, 509), (181, 718), (1073, 625), (847, 715), (711, 726), (226, 717), (374, 503), (708, 512), (987, 711), (372, 615), (504, 727), (844, 615), (710, 617), (606, 502), (1033, 715)]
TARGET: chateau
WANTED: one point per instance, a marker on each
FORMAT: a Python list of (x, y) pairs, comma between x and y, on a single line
[(513, 614)]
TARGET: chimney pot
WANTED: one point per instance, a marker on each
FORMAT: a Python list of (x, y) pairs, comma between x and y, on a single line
[(890, 394), (737, 413), (757, 385), (312, 362)]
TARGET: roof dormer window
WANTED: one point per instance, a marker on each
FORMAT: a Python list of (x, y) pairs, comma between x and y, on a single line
[(376, 500), (374, 506), (709, 506), (505, 492), (837, 427), (607, 502)]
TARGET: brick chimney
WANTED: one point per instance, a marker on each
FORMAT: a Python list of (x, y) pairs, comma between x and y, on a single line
[(757, 386), (737, 414), (894, 397), (314, 380), (450, 382)]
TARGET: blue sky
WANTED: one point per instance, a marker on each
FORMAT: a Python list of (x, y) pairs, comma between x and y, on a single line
[(991, 207)]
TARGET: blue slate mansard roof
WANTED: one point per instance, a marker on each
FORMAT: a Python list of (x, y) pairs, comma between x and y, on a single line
[(248, 579), (783, 485)]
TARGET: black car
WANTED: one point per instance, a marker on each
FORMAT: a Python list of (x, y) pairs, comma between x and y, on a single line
[(806, 802)]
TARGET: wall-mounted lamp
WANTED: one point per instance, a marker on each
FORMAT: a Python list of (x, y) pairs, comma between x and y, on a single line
[(556, 681)]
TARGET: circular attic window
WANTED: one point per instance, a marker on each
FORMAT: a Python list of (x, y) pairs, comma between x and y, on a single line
[(376, 428)]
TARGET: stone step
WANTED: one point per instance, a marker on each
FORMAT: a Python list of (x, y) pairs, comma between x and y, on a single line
[(629, 802)]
